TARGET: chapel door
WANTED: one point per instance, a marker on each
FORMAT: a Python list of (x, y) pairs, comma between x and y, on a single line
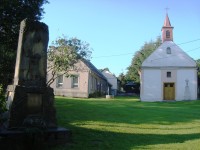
[(169, 91)]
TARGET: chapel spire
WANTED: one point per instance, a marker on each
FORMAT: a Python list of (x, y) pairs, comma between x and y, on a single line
[(167, 30)]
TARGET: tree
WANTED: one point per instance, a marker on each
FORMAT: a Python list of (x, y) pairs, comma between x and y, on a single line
[(138, 58), (122, 79), (198, 65), (198, 73), (12, 13), (2, 102), (64, 54)]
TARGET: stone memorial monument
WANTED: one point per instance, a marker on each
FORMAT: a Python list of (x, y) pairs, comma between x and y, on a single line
[(187, 90), (30, 101)]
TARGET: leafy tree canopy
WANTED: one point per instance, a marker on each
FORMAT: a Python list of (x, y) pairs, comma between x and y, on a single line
[(12, 13), (198, 65), (139, 57), (63, 54), (122, 79)]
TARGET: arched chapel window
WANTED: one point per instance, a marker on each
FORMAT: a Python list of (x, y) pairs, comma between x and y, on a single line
[(169, 50), (167, 34)]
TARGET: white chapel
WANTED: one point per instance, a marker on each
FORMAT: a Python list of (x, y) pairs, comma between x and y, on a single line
[(168, 73)]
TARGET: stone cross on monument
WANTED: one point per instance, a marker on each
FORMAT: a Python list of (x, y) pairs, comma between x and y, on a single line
[(30, 101)]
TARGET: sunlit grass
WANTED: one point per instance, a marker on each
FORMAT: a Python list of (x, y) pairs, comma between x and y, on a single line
[(177, 128), (125, 123)]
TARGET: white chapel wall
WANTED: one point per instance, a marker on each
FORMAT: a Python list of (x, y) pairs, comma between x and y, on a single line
[(151, 87)]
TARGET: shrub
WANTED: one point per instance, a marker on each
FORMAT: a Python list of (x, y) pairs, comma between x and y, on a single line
[(2, 100), (95, 94)]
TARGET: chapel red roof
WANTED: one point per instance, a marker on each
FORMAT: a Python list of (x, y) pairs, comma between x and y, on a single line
[(167, 22)]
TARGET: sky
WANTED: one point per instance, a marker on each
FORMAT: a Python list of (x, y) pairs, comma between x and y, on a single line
[(116, 29)]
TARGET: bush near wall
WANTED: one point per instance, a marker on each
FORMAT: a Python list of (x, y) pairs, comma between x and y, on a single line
[(95, 95), (2, 100)]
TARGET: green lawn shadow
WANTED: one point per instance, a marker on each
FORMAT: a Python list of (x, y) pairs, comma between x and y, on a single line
[(88, 139)]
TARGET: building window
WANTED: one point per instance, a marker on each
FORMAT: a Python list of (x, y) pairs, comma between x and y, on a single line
[(169, 50), (75, 81), (167, 34), (59, 81), (169, 74)]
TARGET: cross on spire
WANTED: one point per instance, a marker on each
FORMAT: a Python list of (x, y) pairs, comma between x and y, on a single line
[(167, 29), (166, 9)]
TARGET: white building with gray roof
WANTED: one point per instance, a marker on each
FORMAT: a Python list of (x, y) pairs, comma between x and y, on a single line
[(168, 73)]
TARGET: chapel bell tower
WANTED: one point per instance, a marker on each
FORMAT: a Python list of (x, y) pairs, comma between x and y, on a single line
[(167, 30)]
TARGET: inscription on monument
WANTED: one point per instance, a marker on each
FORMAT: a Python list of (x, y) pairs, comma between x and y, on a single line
[(34, 103)]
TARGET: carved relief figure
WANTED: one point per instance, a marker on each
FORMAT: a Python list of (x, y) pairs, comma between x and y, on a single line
[(32, 65), (33, 53)]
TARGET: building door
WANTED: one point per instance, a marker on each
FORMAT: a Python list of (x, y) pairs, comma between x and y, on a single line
[(169, 91)]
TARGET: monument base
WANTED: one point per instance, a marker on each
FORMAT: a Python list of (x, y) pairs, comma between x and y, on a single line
[(31, 106), (23, 139)]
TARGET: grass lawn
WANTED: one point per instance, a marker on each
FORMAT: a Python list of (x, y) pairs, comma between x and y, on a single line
[(125, 123)]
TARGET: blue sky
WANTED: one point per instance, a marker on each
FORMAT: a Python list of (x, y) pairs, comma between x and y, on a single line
[(116, 29)]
